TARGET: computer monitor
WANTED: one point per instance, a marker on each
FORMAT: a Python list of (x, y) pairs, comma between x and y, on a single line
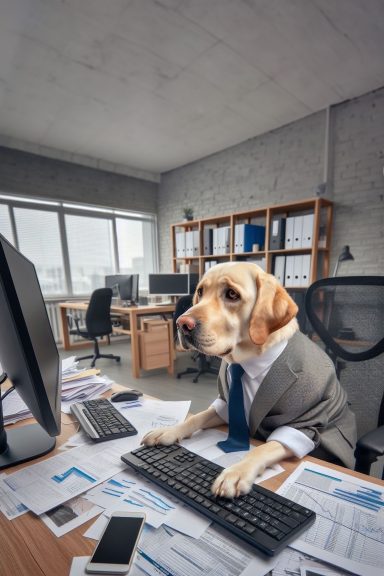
[(124, 286), (29, 357), (172, 284)]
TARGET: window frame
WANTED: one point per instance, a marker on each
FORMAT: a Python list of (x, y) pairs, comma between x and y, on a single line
[(63, 208)]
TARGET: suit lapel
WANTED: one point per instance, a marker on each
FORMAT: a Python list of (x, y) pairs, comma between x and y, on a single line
[(279, 378)]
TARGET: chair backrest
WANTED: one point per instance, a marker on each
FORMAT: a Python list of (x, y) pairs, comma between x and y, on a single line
[(347, 313), (98, 315), (182, 305)]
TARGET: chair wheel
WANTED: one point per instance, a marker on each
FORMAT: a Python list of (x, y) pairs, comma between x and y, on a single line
[(118, 359), (178, 376), (195, 380)]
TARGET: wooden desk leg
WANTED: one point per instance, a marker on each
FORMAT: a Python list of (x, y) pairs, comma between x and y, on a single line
[(64, 329), (135, 357)]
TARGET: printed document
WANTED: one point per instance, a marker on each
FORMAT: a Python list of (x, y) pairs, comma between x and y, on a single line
[(70, 515), (132, 492), (10, 506), (349, 527), (47, 484), (154, 413), (163, 551)]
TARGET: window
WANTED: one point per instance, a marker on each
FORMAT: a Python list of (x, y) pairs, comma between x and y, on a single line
[(38, 234), (5, 223), (73, 247), (136, 247), (90, 249)]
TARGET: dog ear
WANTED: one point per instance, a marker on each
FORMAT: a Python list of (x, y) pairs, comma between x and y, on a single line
[(274, 308)]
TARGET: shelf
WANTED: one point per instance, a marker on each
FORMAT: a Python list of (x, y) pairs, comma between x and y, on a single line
[(315, 258), (291, 251), (214, 256)]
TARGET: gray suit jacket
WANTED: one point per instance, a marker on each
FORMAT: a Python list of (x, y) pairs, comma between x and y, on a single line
[(301, 390)]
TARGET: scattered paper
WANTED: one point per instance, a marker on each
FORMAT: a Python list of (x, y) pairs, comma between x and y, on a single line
[(349, 527), (70, 515), (10, 506), (14, 408), (155, 414), (96, 529), (165, 552), (131, 492), (79, 384), (79, 564), (290, 562), (45, 485)]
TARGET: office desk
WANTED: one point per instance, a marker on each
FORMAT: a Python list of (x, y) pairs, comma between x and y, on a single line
[(132, 314), (29, 548)]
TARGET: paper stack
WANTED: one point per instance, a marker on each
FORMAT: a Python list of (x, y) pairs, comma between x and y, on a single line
[(14, 409), (79, 385)]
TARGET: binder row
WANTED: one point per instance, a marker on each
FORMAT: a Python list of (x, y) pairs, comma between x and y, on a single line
[(187, 244), (291, 232), (293, 271), (217, 241)]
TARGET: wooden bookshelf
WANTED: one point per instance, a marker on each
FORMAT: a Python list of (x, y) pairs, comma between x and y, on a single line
[(318, 251)]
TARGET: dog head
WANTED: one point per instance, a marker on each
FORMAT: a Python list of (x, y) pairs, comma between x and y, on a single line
[(238, 311)]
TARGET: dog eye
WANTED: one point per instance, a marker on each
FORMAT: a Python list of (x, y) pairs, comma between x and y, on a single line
[(199, 292), (230, 294)]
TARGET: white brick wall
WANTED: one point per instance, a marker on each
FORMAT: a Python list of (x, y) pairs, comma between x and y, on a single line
[(287, 165)]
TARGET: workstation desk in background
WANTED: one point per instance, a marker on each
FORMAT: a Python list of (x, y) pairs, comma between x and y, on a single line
[(129, 316), (29, 548)]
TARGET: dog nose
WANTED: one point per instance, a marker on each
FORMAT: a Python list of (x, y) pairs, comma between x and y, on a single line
[(186, 323)]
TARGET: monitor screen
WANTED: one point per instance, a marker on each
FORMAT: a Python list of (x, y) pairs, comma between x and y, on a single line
[(28, 352), (124, 286), (172, 284)]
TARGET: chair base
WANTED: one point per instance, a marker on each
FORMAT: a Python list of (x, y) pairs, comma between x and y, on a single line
[(204, 368), (96, 355)]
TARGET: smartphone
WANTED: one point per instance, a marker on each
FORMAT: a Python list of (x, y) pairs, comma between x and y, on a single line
[(116, 548)]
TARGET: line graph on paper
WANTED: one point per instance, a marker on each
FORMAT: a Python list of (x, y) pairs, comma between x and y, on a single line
[(341, 529)]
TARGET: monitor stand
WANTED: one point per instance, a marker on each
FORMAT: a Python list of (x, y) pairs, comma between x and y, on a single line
[(22, 444)]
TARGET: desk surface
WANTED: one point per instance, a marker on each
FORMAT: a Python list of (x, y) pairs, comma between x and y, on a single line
[(137, 310), (29, 548)]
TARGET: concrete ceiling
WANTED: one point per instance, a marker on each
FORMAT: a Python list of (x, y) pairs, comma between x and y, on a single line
[(155, 84)]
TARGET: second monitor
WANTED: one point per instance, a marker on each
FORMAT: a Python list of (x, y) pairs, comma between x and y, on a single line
[(172, 284), (124, 286)]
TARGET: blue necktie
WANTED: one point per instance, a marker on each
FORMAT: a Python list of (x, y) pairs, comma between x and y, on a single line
[(238, 434)]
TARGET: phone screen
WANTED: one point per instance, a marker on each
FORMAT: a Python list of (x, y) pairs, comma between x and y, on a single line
[(118, 541)]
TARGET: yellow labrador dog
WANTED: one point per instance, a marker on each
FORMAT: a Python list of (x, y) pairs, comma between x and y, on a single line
[(241, 313)]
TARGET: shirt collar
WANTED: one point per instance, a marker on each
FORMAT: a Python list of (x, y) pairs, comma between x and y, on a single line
[(258, 364)]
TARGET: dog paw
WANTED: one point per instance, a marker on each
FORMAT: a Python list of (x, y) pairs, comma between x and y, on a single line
[(237, 479), (165, 436)]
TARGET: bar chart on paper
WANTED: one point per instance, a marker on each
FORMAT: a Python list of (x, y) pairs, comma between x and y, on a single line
[(349, 527)]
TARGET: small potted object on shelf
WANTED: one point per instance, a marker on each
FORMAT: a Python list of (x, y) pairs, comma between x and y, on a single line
[(188, 214)]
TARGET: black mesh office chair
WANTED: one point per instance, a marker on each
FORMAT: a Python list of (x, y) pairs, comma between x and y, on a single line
[(347, 313), (97, 323), (204, 365)]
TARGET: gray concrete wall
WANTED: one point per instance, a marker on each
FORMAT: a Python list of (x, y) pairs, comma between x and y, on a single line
[(287, 165), (32, 175)]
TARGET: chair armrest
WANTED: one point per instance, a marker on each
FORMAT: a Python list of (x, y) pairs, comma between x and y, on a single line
[(71, 318), (372, 441)]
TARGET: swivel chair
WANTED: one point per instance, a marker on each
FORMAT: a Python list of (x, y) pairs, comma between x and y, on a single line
[(97, 323), (203, 364), (347, 314)]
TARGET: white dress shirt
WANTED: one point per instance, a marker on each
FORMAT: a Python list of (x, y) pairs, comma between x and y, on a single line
[(255, 370)]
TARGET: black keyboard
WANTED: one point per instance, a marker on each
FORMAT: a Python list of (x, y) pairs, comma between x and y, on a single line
[(102, 421), (261, 518)]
